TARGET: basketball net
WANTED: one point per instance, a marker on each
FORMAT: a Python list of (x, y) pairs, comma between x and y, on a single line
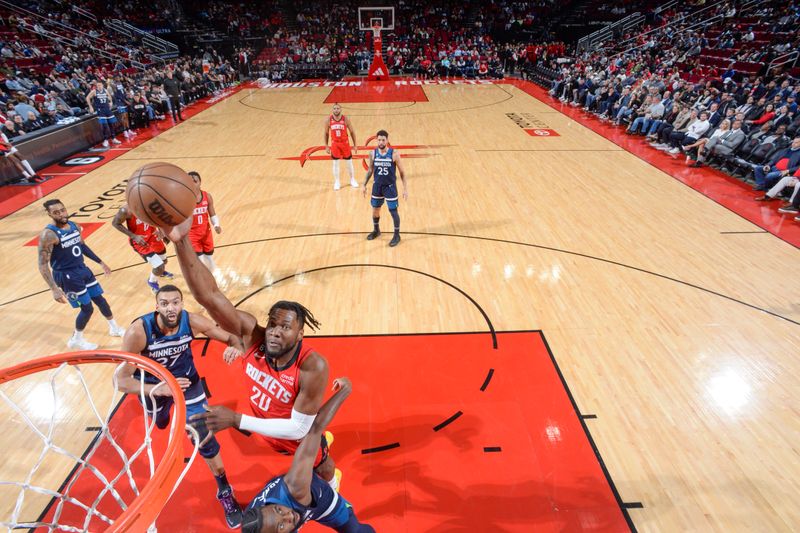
[(136, 515)]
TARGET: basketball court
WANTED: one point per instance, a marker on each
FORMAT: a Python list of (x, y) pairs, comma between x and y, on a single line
[(568, 338)]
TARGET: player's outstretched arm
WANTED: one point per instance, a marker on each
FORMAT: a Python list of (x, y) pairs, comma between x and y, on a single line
[(47, 240), (204, 287), (326, 136), (134, 341), (298, 479), (203, 325)]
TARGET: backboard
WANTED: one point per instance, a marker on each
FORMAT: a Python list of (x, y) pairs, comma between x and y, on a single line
[(369, 17)]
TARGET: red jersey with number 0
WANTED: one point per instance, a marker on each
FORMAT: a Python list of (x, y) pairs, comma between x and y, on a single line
[(272, 392), (200, 223), (339, 131)]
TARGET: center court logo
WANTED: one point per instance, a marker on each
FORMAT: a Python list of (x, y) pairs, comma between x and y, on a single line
[(407, 151)]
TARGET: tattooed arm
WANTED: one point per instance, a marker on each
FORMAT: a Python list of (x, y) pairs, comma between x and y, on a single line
[(47, 240)]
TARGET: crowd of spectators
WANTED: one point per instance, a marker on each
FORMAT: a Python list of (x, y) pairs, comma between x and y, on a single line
[(46, 82), (435, 39), (744, 123)]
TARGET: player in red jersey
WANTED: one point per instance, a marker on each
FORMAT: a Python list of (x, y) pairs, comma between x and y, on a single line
[(145, 241), (202, 219), (336, 128), (286, 378)]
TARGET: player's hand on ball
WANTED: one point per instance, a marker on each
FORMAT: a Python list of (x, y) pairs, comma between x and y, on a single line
[(176, 233), (217, 418), (343, 384), (59, 296), (231, 353)]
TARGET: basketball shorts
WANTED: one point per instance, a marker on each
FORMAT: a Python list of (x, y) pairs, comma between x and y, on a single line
[(79, 285), (341, 151), (152, 247), (106, 116), (195, 397), (288, 447), (202, 242), (384, 191), (340, 515)]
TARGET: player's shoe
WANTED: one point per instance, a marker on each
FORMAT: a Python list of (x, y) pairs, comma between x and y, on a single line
[(116, 331), (233, 512), (353, 183), (105, 143), (168, 275), (395, 240), (374, 235), (153, 286), (337, 185), (80, 344), (115, 141)]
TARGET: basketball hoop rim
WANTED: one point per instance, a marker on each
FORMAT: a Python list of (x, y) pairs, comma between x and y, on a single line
[(141, 513)]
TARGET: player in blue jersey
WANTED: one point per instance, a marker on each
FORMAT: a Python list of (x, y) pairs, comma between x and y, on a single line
[(299, 496), (166, 336), (62, 249), (101, 102), (384, 164)]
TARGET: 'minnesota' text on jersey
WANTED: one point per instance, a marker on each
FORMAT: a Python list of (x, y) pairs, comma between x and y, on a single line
[(172, 351), (384, 167)]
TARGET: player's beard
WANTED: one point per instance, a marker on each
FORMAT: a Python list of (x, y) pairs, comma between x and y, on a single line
[(278, 354), (166, 322)]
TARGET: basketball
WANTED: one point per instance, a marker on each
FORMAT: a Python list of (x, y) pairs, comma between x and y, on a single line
[(161, 194)]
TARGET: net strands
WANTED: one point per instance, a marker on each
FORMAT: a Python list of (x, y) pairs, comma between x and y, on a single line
[(84, 464)]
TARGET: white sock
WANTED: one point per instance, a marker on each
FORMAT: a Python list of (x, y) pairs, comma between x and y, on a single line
[(351, 170), (77, 335), (153, 278), (112, 323), (28, 166), (208, 261), (336, 169)]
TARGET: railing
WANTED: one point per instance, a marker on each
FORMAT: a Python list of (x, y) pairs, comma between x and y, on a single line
[(624, 25), (586, 42), (704, 22), (789, 57), (84, 13), (163, 48), (38, 27)]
